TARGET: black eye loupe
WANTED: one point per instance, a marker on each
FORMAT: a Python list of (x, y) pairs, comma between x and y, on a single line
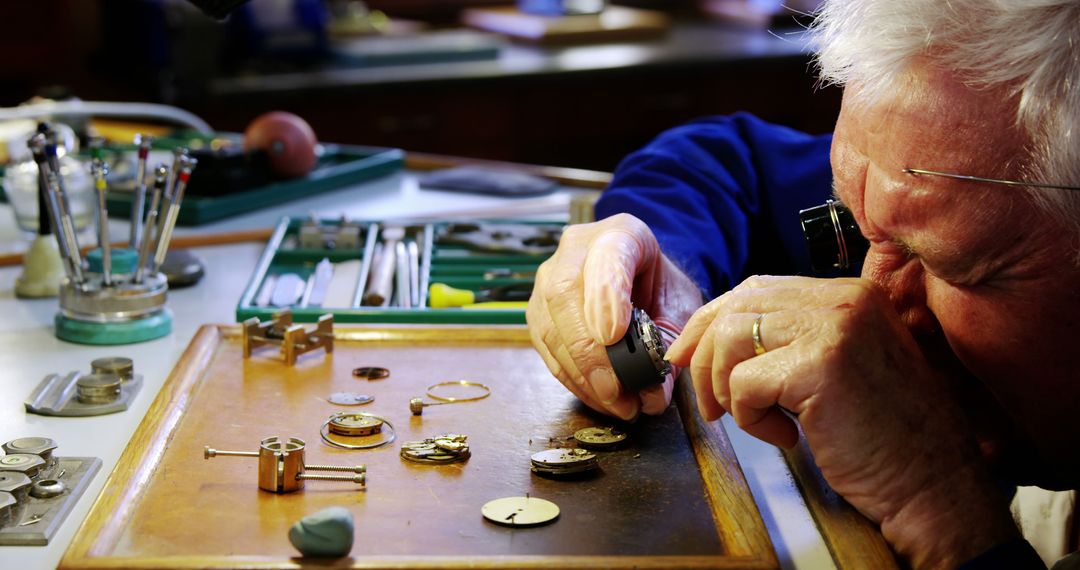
[(833, 237), (638, 357)]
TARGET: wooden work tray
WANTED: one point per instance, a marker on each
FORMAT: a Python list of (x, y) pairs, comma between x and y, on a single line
[(674, 497)]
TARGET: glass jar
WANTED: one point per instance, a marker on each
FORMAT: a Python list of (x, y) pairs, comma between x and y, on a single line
[(21, 187)]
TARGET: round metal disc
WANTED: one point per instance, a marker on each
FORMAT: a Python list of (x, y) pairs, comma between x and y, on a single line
[(599, 437), (98, 388), (356, 425), (563, 457), (520, 511), (119, 365), (31, 445), (371, 372), (350, 398), (16, 460)]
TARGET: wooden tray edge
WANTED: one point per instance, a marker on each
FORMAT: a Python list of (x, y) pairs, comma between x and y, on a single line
[(722, 474), (853, 541), (447, 563), (102, 528)]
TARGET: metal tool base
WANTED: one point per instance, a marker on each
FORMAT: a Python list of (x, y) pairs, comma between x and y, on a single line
[(126, 332), (55, 396), (50, 513)]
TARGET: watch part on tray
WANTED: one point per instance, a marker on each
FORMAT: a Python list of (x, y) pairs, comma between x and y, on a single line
[(564, 461), (292, 340), (441, 449), (600, 438), (350, 398), (357, 424), (520, 511), (371, 372)]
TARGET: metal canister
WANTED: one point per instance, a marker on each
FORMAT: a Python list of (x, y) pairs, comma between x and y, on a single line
[(18, 484), (98, 388), (40, 446), (25, 463), (8, 506), (119, 365)]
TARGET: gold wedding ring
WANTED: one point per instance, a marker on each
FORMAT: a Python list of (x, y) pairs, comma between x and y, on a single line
[(755, 335)]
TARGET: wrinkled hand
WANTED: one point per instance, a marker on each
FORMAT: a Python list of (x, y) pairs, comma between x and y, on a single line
[(581, 303), (877, 416)]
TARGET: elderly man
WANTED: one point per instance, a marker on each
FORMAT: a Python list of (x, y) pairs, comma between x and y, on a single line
[(950, 366)]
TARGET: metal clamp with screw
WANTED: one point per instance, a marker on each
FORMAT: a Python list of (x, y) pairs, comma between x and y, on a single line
[(282, 468)]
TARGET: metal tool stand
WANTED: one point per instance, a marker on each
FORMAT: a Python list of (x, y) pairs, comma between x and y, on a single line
[(57, 395), (293, 340), (121, 311), (50, 513), (38, 489), (113, 297)]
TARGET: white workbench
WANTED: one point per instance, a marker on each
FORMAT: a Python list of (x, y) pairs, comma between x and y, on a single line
[(29, 351)]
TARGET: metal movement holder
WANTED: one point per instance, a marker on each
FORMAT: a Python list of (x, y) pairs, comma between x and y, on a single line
[(113, 296), (110, 387), (38, 489), (292, 339), (282, 468), (638, 357)]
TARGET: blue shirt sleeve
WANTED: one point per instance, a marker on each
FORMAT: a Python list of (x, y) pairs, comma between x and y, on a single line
[(722, 195)]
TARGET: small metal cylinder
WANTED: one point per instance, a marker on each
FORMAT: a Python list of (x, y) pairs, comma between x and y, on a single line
[(98, 388), (355, 425), (124, 301), (8, 506), (29, 465), (40, 446), (118, 365), (18, 484), (47, 489), (280, 463)]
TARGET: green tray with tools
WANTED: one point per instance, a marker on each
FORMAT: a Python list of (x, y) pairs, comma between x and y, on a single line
[(338, 166), (495, 257)]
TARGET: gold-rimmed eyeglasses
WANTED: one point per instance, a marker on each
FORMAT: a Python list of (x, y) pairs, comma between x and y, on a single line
[(837, 246), (923, 171)]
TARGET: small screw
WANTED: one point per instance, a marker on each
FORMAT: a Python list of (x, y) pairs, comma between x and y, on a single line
[(359, 479), (341, 468), (209, 452), (34, 519)]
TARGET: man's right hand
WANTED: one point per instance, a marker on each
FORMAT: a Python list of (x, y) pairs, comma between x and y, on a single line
[(581, 303)]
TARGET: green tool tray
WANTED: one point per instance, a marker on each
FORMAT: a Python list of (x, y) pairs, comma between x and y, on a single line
[(456, 265), (338, 167)]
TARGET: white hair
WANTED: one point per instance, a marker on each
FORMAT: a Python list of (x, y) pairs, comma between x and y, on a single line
[(1032, 46)]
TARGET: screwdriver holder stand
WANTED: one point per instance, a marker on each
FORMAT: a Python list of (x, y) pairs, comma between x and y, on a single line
[(117, 310), (292, 339), (282, 468)]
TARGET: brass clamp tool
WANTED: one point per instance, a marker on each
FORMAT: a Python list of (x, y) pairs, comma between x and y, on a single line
[(282, 468), (292, 339)]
